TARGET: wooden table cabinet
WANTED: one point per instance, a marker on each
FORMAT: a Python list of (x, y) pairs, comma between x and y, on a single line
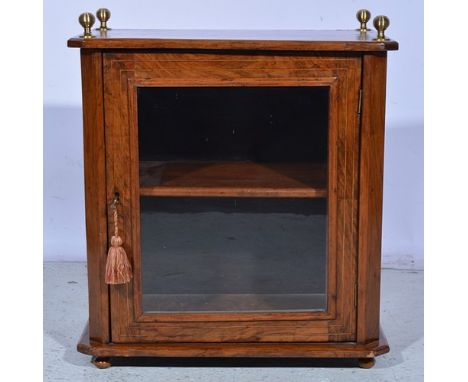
[(248, 167)]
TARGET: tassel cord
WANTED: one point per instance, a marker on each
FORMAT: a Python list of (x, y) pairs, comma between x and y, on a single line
[(116, 218)]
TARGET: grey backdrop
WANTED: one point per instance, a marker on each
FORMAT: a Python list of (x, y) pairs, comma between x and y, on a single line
[(64, 232)]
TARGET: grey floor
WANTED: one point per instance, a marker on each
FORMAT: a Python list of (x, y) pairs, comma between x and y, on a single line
[(65, 314)]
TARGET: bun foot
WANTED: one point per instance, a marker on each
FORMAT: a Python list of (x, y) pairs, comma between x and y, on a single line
[(101, 362), (366, 363)]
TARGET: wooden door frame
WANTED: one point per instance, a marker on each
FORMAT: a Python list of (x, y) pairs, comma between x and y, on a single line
[(122, 72)]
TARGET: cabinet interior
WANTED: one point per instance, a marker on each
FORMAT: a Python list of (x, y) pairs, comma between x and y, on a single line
[(233, 208)]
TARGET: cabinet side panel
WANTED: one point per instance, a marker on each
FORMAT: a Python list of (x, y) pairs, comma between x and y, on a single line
[(95, 193), (370, 198)]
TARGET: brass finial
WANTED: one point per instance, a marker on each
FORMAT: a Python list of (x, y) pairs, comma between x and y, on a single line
[(363, 16), (87, 21), (103, 15), (381, 23)]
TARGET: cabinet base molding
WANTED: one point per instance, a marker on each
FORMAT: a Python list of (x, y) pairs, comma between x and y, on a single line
[(365, 353)]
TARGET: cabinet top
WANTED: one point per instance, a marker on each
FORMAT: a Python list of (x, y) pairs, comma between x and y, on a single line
[(295, 40)]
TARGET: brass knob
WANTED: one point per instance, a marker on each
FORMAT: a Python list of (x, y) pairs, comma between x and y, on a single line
[(103, 15), (363, 16), (87, 21), (381, 23)]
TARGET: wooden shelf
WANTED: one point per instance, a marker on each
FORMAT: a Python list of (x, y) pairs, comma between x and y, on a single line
[(233, 179)]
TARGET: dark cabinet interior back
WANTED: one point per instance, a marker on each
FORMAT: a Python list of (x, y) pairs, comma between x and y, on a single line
[(263, 124)]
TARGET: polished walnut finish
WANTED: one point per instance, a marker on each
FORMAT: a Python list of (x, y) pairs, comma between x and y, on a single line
[(95, 194), (364, 352), (231, 179), (370, 195), (278, 40), (124, 72), (353, 67)]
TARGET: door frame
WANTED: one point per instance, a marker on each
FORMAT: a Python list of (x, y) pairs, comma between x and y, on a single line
[(124, 72)]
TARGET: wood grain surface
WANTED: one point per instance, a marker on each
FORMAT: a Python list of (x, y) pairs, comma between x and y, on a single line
[(254, 349), (371, 194), (114, 65), (95, 193), (233, 179), (302, 40), (124, 72)]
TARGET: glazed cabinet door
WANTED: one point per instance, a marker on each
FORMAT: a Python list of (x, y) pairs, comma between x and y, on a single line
[(237, 177)]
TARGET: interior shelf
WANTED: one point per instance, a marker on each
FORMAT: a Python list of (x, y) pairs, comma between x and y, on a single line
[(233, 179)]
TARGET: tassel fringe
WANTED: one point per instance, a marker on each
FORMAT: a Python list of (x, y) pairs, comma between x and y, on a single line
[(118, 268)]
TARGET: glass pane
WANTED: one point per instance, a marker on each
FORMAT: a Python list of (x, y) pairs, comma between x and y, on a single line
[(233, 191), (263, 124), (225, 254)]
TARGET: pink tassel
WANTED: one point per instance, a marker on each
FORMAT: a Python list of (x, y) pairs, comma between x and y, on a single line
[(118, 268)]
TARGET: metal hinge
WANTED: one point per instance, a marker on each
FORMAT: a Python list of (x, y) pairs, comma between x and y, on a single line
[(355, 294), (359, 102)]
